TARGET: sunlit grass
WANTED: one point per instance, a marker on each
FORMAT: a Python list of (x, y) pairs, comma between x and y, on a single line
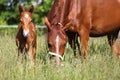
[(99, 65)]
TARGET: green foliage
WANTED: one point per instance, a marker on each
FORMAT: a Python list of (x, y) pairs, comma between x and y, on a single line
[(41, 11), (2, 21), (8, 31), (11, 15)]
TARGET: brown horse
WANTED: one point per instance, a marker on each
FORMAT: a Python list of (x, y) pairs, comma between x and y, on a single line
[(26, 35), (88, 18), (56, 33)]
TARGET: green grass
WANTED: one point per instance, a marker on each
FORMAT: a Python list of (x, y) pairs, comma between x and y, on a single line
[(99, 65)]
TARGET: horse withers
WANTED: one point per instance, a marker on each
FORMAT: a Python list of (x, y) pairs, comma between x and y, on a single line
[(26, 35)]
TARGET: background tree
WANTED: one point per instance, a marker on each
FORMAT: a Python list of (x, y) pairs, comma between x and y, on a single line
[(9, 13)]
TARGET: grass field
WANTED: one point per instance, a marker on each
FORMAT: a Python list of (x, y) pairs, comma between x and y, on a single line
[(99, 65)]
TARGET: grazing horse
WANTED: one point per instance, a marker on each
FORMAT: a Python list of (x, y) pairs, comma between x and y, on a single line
[(26, 35), (57, 37), (88, 18)]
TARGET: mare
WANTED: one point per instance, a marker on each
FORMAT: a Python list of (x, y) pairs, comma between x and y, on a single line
[(26, 35), (57, 38), (87, 18)]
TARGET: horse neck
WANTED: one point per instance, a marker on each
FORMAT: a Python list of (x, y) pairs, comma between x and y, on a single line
[(56, 15), (74, 8)]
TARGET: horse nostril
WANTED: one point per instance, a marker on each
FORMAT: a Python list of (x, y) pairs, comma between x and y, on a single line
[(25, 33)]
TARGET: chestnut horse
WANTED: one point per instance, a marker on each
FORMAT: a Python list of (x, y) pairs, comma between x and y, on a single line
[(26, 35), (88, 18), (56, 33)]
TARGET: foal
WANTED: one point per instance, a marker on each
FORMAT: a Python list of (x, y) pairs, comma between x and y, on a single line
[(26, 35)]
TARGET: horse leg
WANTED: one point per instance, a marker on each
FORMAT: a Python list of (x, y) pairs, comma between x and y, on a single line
[(114, 43), (19, 61), (84, 38), (32, 54), (77, 44), (20, 52), (71, 40), (72, 44)]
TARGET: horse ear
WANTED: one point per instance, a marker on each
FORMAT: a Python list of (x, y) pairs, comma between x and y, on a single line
[(66, 26), (47, 23), (31, 9), (20, 8)]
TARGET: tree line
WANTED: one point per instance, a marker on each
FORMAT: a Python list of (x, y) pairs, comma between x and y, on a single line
[(9, 11)]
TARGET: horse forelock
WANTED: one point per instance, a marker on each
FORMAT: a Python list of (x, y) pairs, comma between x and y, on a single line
[(57, 31), (61, 33)]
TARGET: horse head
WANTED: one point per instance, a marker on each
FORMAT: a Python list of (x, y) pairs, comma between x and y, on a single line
[(25, 18), (57, 40)]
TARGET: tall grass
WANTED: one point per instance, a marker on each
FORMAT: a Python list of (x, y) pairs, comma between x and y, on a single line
[(99, 65)]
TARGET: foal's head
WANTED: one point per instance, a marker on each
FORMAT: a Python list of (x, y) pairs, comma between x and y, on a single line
[(25, 18), (57, 40)]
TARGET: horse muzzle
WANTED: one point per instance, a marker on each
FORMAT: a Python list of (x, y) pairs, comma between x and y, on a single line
[(57, 55), (25, 33)]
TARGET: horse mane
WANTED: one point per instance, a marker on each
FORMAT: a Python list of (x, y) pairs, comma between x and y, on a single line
[(58, 9)]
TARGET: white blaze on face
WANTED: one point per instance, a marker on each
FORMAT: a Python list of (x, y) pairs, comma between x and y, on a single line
[(26, 15), (57, 44), (25, 33)]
